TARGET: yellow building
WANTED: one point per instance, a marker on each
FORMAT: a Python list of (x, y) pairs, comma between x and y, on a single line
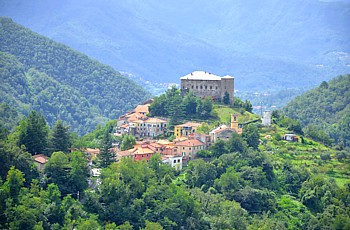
[(185, 129), (234, 124)]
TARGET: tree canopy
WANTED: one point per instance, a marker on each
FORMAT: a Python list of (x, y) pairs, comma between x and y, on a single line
[(40, 74)]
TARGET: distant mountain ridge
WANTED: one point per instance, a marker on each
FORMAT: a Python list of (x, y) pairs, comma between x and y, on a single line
[(325, 108), (264, 44), (38, 73)]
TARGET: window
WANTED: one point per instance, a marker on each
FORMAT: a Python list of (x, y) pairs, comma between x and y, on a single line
[(196, 86), (142, 155), (147, 155), (178, 160), (216, 87), (174, 161), (183, 148), (206, 87), (192, 86), (183, 154), (211, 87), (190, 148), (201, 87)]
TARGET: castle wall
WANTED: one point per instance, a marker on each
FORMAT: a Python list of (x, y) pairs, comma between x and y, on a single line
[(203, 88), (213, 86)]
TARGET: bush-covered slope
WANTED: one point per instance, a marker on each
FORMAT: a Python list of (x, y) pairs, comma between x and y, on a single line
[(38, 73), (325, 108)]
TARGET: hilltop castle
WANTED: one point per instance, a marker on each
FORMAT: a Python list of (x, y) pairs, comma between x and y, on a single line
[(204, 84)]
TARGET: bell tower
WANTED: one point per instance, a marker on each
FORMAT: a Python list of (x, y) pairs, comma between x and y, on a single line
[(234, 121), (234, 124)]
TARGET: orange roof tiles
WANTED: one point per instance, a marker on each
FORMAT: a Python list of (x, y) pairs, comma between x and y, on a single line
[(143, 151), (125, 153), (192, 142), (92, 151), (142, 108), (41, 158), (191, 124)]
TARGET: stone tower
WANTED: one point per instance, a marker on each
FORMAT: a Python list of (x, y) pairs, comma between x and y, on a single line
[(266, 120), (234, 124)]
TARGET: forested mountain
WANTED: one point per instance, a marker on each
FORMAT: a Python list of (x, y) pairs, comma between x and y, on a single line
[(325, 110), (40, 74), (284, 44)]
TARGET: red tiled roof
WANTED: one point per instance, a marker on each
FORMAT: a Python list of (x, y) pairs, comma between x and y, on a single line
[(41, 158), (142, 108), (92, 151), (191, 124), (192, 142), (125, 153)]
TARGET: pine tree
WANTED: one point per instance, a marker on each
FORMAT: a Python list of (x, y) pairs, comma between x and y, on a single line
[(106, 156), (60, 140), (34, 133)]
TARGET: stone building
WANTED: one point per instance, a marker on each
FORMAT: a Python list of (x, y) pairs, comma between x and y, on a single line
[(204, 84), (266, 120)]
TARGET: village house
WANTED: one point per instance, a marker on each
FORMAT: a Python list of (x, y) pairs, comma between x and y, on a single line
[(136, 123), (40, 160), (92, 153), (124, 154), (150, 127), (144, 150), (189, 148), (186, 129), (222, 132), (142, 109), (173, 161), (290, 137), (205, 138)]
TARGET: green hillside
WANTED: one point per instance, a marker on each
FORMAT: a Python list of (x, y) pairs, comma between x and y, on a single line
[(38, 73), (325, 111)]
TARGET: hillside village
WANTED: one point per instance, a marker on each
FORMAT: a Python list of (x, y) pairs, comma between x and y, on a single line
[(150, 132), (82, 146)]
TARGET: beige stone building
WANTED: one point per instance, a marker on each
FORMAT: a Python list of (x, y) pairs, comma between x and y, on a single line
[(204, 84)]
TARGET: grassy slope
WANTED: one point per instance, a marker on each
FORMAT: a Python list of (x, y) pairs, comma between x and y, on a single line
[(224, 114)]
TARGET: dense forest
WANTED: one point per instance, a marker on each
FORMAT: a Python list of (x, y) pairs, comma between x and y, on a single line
[(39, 74), (325, 111)]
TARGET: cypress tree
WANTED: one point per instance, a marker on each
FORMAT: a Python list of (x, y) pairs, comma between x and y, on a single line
[(106, 156), (60, 140)]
